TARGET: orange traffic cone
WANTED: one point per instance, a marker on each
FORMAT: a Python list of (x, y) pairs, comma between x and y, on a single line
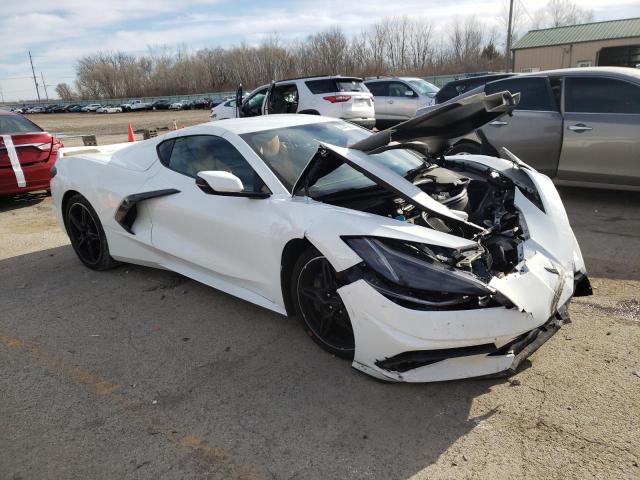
[(132, 137)]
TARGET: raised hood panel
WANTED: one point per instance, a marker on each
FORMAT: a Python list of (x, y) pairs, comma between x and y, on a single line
[(450, 120), (329, 157)]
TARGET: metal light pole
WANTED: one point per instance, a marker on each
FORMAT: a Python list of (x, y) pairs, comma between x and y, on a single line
[(508, 53), (45, 86), (34, 76)]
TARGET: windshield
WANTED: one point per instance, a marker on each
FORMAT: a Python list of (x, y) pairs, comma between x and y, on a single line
[(286, 151), (16, 124), (423, 87)]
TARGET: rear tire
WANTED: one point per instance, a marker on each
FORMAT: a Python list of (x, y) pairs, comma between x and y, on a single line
[(318, 305), (87, 235)]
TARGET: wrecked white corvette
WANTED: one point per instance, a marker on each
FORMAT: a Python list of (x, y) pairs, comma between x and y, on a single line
[(416, 266)]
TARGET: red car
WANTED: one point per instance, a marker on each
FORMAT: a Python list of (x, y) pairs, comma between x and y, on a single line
[(27, 154)]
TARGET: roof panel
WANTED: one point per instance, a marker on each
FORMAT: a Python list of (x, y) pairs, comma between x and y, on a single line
[(587, 32)]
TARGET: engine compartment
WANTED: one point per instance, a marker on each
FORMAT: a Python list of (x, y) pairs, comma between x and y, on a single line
[(482, 195)]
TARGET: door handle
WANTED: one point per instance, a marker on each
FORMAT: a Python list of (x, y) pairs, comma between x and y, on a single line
[(579, 127), (498, 123)]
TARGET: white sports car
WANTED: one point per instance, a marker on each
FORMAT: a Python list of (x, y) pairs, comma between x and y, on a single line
[(415, 266)]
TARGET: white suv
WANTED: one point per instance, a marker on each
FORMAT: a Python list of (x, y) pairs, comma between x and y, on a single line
[(398, 98), (331, 96)]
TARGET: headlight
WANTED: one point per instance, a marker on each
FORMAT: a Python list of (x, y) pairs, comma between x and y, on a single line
[(424, 273)]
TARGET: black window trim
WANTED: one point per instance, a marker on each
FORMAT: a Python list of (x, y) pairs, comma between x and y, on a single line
[(548, 88), (385, 81), (198, 180), (408, 86), (579, 75)]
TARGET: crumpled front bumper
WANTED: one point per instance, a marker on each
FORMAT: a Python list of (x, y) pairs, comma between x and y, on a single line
[(401, 344)]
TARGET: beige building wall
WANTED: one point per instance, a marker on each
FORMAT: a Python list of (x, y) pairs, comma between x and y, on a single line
[(564, 56)]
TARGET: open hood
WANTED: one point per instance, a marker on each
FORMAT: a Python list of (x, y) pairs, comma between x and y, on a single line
[(450, 120), (329, 157)]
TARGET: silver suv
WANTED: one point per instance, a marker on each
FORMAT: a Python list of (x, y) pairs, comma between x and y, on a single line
[(580, 126), (398, 98)]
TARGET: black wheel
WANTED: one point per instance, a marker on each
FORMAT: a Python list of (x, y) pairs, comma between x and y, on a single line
[(86, 234), (319, 306), (465, 148)]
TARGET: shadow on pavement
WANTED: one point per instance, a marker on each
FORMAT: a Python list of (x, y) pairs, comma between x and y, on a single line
[(8, 203)]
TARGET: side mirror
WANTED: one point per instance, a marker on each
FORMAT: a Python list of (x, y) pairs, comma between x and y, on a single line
[(220, 182), (217, 182)]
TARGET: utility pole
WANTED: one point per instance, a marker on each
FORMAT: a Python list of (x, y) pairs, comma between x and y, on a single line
[(508, 54), (34, 76), (45, 87)]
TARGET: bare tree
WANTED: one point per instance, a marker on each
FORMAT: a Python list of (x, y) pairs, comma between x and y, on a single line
[(391, 46), (560, 13), (65, 91), (518, 19)]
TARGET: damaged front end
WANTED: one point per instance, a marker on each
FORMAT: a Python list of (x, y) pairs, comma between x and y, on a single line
[(428, 311)]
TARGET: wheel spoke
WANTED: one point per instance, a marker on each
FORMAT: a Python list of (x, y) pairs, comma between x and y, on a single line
[(327, 274), (310, 293), (326, 322), (75, 221), (92, 251)]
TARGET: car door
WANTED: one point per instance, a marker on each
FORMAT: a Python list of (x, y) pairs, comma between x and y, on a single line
[(534, 131), (601, 131), (223, 240), (252, 105), (380, 92), (282, 98), (402, 101)]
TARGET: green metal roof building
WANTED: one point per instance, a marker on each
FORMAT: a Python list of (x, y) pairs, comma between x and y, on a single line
[(610, 43)]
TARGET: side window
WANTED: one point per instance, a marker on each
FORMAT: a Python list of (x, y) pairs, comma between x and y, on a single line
[(601, 95), (534, 94), (198, 153), (253, 105), (322, 86), (397, 89), (283, 99), (378, 89)]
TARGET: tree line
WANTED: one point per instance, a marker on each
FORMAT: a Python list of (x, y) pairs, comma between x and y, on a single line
[(398, 46)]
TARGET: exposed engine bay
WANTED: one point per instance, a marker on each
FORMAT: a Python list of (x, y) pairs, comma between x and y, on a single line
[(481, 196)]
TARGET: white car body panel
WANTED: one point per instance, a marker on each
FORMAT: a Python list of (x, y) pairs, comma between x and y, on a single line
[(199, 236), (224, 110)]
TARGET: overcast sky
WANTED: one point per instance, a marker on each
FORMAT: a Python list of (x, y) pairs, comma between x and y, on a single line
[(58, 32)]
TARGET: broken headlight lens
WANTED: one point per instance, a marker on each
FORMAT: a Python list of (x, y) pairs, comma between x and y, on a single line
[(417, 266)]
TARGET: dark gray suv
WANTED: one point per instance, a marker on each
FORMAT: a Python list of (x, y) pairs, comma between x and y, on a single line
[(580, 126)]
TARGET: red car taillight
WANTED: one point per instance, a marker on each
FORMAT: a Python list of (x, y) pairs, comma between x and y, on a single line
[(337, 98)]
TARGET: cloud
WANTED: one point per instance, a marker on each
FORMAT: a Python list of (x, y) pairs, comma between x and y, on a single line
[(58, 33)]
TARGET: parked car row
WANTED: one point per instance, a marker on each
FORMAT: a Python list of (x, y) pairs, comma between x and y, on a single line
[(132, 106), (380, 102)]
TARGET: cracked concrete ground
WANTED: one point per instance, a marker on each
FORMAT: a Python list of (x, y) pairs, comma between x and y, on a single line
[(143, 374)]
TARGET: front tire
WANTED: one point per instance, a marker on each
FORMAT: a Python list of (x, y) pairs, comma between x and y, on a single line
[(319, 306), (87, 235)]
